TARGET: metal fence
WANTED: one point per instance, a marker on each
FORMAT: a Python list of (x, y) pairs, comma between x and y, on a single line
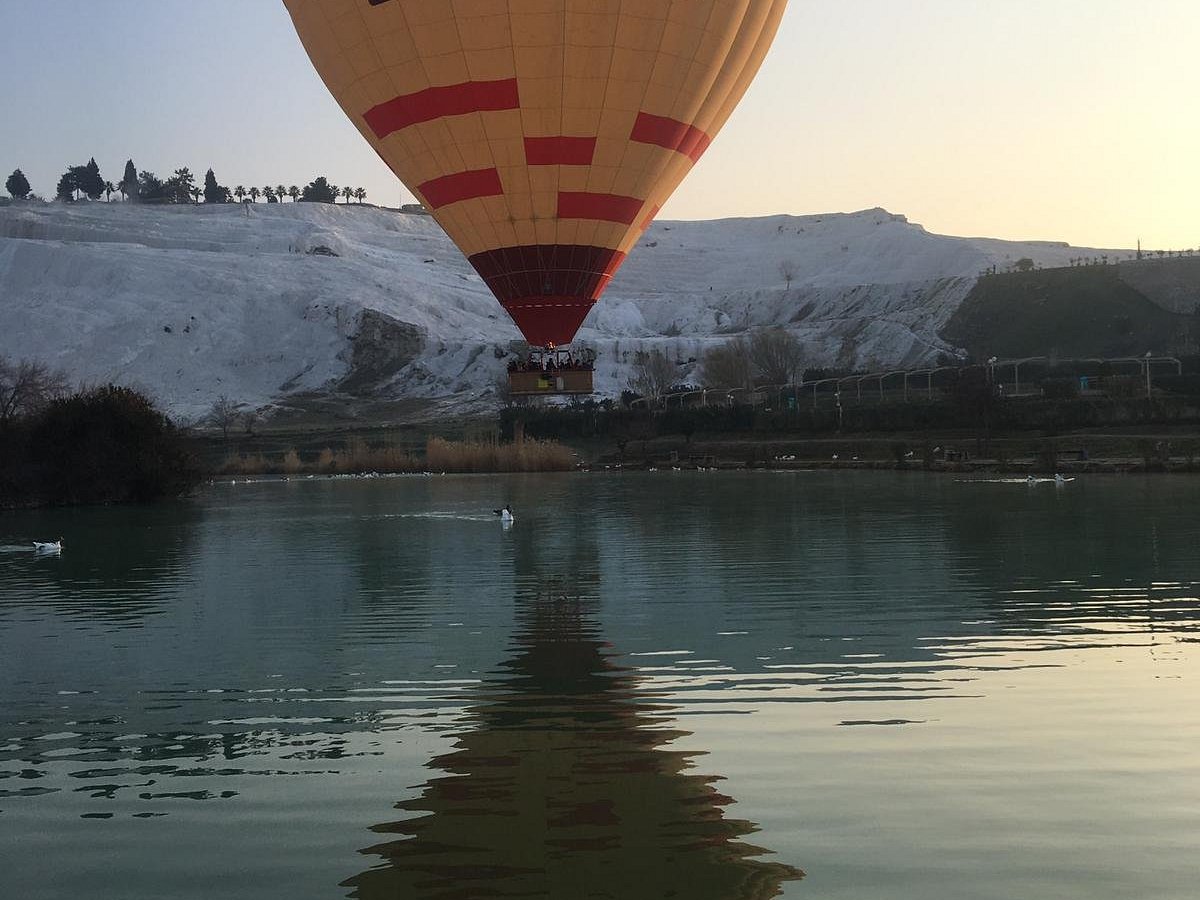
[(924, 384)]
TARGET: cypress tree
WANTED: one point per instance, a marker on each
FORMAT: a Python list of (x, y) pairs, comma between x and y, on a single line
[(319, 190), (90, 181), (213, 192), (68, 185), (129, 181), (18, 185)]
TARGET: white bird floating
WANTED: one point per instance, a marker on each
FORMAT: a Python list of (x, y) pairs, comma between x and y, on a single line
[(47, 546), (505, 514)]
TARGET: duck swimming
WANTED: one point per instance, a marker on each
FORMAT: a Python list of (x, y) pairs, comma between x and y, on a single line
[(505, 514), (48, 546)]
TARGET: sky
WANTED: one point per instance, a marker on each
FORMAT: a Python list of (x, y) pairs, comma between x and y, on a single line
[(1066, 120)]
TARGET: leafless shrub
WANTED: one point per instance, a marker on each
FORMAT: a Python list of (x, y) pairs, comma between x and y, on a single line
[(777, 355), (787, 268), (653, 373), (26, 387), (728, 365), (223, 415)]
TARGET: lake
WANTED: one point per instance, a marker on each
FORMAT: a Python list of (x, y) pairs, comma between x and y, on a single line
[(695, 684)]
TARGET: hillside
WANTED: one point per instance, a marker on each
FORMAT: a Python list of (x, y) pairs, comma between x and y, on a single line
[(1089, 311), (194, 302)]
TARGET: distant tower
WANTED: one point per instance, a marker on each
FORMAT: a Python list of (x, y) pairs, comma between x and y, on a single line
[(1139, 256)]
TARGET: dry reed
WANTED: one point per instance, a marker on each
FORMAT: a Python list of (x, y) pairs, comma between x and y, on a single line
[(359, 456), (480, 456), (440, 456), (245, 464), (291, 463)]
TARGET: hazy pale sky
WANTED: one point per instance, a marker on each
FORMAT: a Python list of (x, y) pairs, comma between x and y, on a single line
[(1075, 120)]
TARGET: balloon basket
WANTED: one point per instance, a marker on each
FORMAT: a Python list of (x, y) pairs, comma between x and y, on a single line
[(552, 371)]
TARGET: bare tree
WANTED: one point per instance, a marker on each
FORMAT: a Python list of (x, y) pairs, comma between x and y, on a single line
[(777, 355), (223, 414), (653, 373), (787, 268), (27, 387), (728, 365)]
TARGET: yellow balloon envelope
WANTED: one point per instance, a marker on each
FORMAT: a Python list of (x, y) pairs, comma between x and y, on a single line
[(543, 135)]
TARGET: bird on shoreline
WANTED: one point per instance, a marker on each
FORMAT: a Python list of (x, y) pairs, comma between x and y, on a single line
[(48, 546)]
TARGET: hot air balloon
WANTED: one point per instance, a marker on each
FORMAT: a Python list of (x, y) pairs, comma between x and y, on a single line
[(542, 135)]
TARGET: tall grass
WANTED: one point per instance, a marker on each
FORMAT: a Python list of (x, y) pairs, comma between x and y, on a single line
[(359, 456), (484, 456), (245, 464), (440, 456)]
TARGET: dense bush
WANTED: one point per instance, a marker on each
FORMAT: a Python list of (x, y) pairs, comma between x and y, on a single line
[(1178, 384), (103, 445), (1060, 388), (967, 406)]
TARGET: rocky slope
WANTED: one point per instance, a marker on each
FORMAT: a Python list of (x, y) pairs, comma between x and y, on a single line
[(195, 302)]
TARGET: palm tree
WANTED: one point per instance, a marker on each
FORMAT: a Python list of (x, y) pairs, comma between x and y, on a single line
[(347, 193), (360, 195), (109, 190), (196, 193), (240, 193), (294, 193), (280, 192), (254, 193), (268, 193)]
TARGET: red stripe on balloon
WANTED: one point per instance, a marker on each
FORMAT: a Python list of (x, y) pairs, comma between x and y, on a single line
[(548, 324), (559, 151), (671, 134), (604, 207), (649, 220), (439, 192), (547, 270), (436, 102), (548, 288)]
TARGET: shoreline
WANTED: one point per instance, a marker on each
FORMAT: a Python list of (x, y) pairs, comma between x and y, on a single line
[(984, 466), (1114, 467)]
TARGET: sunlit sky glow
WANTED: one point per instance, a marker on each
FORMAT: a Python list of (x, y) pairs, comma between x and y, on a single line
[(1070, 120)]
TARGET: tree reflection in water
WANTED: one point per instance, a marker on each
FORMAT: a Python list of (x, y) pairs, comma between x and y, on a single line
[(563, 788)]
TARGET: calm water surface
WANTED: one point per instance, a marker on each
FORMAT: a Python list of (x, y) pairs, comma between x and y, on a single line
[(697, 685)]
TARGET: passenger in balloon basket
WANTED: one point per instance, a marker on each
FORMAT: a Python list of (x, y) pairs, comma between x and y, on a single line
[(553, 360)]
